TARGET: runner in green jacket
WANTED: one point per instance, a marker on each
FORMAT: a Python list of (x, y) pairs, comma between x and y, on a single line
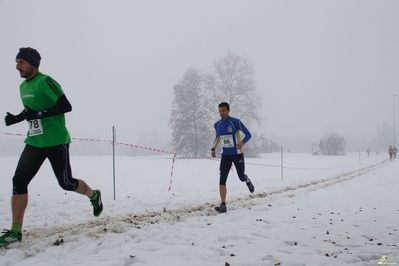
[(44, 107)]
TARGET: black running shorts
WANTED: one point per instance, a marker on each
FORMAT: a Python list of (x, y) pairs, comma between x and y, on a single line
[(32, 159)]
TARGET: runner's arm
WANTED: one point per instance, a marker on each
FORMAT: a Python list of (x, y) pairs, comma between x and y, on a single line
[(245, 130), (62, 106)]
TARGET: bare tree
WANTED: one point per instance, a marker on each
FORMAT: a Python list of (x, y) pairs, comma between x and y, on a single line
[(189, 121), (232, 81), (332, 144)]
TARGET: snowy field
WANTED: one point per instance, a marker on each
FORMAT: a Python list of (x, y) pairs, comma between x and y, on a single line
[(324, 211)]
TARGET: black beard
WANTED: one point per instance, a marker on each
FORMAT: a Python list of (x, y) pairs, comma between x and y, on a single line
[(28, 73)]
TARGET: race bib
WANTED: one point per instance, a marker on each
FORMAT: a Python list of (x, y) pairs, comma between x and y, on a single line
[(35, 127), (226, 141)]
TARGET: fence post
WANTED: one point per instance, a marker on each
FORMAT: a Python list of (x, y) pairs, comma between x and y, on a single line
[(282, 167), (113, 157)]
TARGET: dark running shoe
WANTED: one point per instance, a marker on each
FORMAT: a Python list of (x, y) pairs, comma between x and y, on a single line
[(9, 237), (250, 186), (222, 208), (97, 204)]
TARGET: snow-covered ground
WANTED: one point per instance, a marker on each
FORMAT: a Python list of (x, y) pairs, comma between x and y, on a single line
[(324, 210)]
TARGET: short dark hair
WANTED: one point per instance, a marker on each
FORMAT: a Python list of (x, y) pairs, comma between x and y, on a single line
[(224, 104)]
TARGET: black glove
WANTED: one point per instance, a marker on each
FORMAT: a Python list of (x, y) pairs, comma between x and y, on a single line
[(29, 114), (11, 119)]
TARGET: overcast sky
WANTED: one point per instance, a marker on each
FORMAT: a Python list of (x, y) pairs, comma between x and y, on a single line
[(320, 65)]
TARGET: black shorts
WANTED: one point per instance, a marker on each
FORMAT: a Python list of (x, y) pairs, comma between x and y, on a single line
[(32, 159), (225, 166)]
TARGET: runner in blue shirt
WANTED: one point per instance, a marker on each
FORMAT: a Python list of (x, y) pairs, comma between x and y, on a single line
[(228, 136)]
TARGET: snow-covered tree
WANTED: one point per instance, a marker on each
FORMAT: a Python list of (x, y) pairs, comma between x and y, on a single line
[(232, 81), (332, 144), (189, 121)]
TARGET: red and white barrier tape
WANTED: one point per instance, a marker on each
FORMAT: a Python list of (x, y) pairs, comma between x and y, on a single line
[(185, 155)]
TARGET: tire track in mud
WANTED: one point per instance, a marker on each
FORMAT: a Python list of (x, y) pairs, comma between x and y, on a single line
[(107, 224)]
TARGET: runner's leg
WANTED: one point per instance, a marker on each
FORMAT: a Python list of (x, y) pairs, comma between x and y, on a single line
[(28, 165), (239, 163), (225, 166), (59, 159)]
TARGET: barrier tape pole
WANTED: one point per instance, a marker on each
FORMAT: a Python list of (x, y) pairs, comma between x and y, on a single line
[(171, 171)]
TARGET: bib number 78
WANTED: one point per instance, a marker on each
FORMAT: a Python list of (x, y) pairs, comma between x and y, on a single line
[(35, 127)]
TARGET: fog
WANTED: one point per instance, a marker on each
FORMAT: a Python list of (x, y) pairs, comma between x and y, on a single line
[(321, 66)]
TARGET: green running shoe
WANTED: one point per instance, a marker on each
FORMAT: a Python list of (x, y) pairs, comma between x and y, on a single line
[(9, 237), (97, 204)]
